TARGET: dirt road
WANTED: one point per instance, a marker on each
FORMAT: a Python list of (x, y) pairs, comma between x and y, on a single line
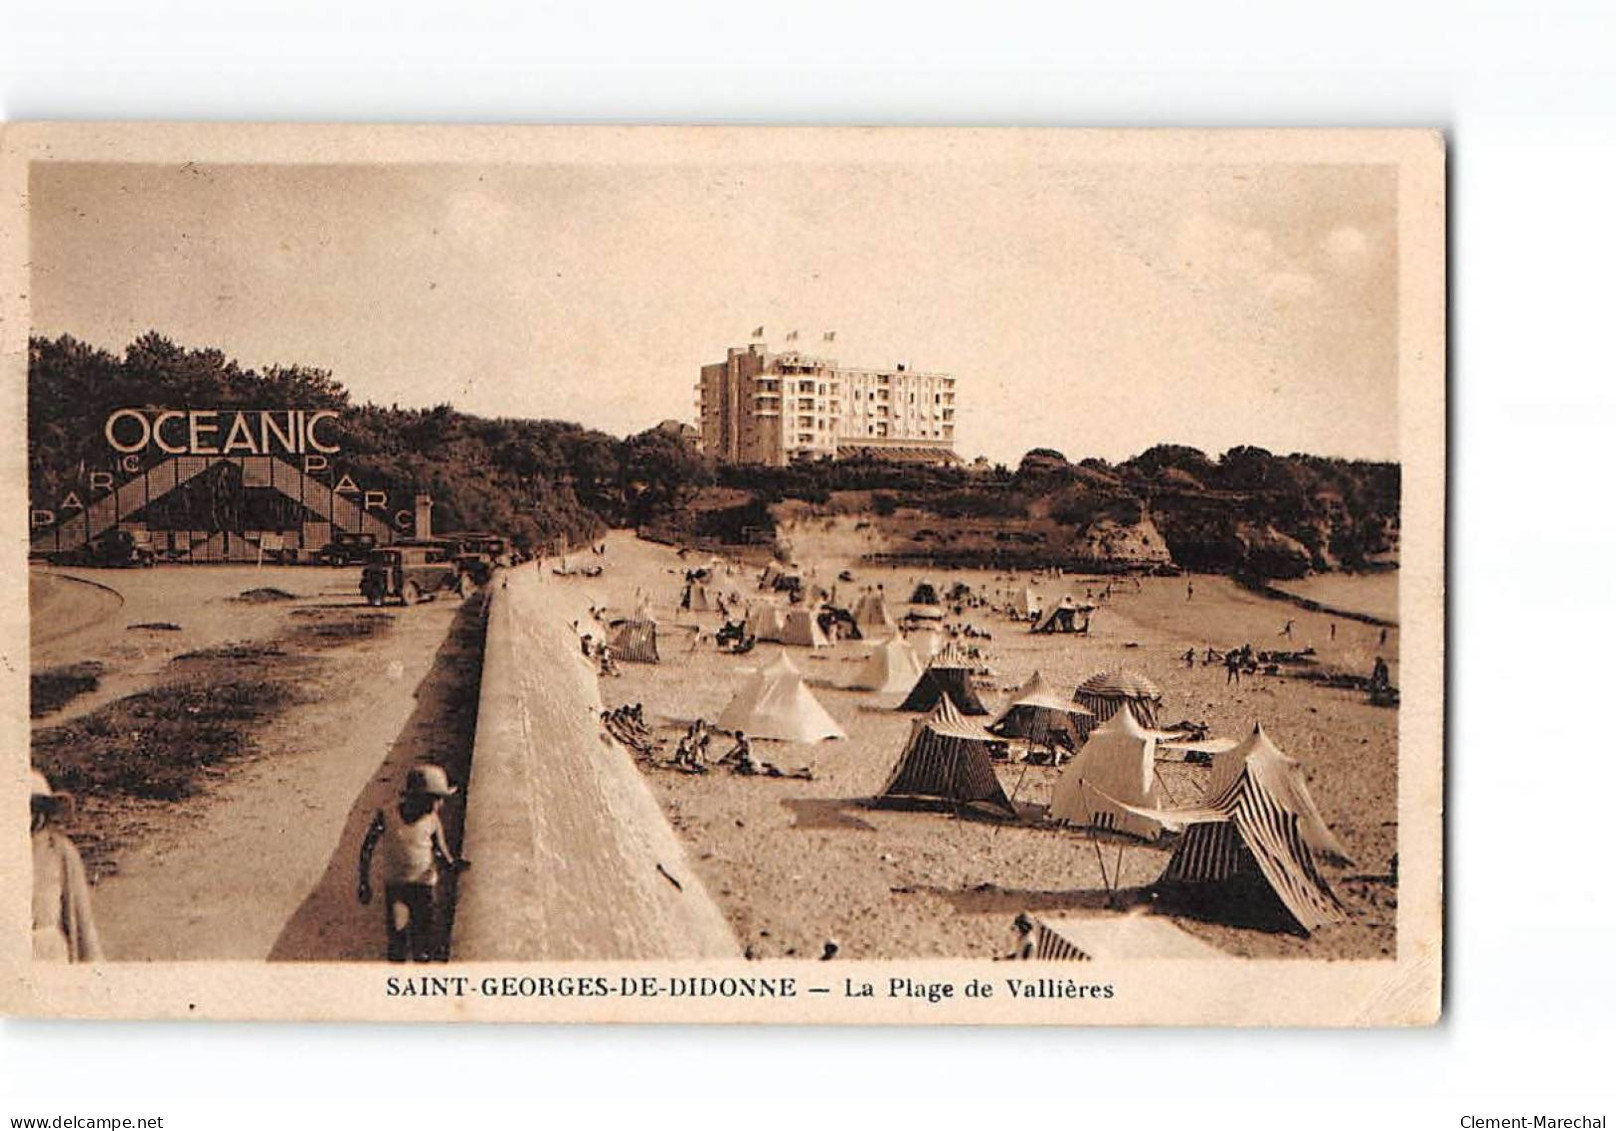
[(249, 868)]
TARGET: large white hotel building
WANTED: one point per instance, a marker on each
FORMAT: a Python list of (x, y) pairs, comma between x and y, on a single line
[(776, 408)]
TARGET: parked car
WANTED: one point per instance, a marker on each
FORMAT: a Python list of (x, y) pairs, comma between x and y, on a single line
[(412, 572), (115, 549), (479, 554), (345, 549)]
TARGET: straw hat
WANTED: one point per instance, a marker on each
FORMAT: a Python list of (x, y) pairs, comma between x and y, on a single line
[(429, 779)]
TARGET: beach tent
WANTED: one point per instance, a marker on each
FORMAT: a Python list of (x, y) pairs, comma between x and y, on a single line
[(924, 612), (696, 598), (892, 666), (871, 613), (927, 642), (925, 594), (1024, 604), (1063, 618), (642, 611), (1081, 938), (771, 571), (801, 627), (766, 622), (1256, 840), (1042, 717), (947, 676), (948, 758), (634, 641), (1105, 693), (1115, 769), (773, 702)]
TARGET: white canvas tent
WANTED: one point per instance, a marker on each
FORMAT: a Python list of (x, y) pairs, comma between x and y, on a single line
[(892, 666), (801, 628), (871, 613), (1116, 765), (773, 702), (696, 598), (1024, 603), (766, 622)]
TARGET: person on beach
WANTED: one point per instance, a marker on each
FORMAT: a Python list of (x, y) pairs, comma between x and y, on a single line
[(1231, 668), (63, 925), (1332, 630), (1383, 638), (1189, 591), (413, 846), (1380, 677), (1286, 631)]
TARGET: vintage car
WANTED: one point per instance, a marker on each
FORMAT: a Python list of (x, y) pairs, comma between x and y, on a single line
[(479, 554), (410, 572), (345, 549), (115, 549)]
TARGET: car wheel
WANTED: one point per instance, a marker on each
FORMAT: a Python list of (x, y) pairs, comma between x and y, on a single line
[(411, 593)]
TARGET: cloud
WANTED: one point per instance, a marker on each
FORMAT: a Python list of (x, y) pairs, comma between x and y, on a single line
[(1240, 258)]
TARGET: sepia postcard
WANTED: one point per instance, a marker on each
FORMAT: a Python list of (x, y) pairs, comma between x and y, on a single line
[(782, 575)]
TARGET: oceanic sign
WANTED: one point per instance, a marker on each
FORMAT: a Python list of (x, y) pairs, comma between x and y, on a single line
[(222, 432)]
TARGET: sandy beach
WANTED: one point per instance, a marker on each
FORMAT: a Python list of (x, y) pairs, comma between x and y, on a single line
[(796, 863)]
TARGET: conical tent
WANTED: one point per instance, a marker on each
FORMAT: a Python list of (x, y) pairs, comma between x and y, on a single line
[(1062, 618), (635, 641), (1259, 836), (948, 676), (766, 622), (927, 643), (1281, 775), (642, 611), (1024, 603), (774, 702), (947, 758), (1042, 717), (696, 598), (892, 666), (1105, 693), (871, 613), (801, 628), (1115, 769)]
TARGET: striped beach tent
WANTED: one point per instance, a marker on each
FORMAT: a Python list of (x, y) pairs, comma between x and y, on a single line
[(635, 641), (1104, 693), (1261, 832), (948, 676), (1109, 782), (948, 758), (1081, 938), (1042, 717)]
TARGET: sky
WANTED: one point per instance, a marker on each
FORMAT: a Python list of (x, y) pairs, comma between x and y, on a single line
[(1094, 309)]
